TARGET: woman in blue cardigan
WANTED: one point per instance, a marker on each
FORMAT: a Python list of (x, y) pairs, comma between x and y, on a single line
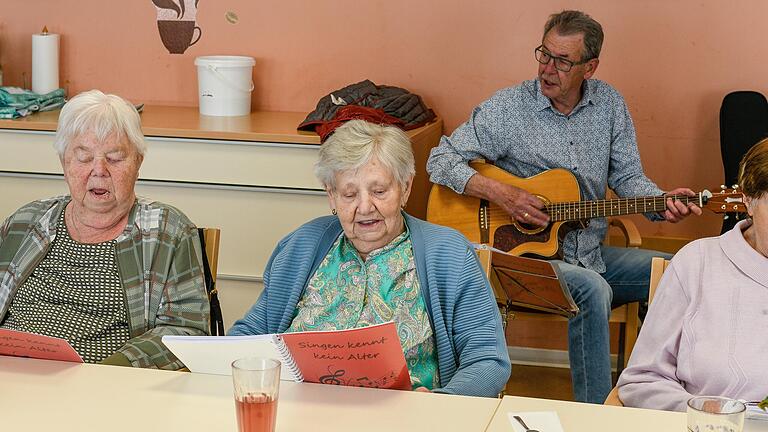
[(371, 263)]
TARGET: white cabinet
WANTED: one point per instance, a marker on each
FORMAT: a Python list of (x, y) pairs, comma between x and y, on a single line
[(251, 176), (255, 192)]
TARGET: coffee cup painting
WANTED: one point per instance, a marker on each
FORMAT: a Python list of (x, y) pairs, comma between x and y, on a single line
[(176, 22)]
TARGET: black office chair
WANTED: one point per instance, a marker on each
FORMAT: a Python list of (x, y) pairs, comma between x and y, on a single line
[(743, 123)]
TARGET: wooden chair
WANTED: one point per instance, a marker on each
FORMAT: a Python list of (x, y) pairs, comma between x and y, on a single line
[(475, 218), (209, 238), (658, 265)]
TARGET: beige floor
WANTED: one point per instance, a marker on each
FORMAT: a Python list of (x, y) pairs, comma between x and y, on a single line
[(540, 382)]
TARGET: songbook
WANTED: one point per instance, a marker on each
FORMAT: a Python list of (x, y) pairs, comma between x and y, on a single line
[(215, 354), (24, 344), (361, 357)]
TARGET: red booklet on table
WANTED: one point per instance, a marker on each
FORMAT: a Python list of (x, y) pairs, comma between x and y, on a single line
[(23, 344), (362, 357)]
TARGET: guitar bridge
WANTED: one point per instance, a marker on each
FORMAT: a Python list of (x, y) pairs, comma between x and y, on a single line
[(483, 221)]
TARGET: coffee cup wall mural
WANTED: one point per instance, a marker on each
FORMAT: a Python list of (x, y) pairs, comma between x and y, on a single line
[(176, 22)]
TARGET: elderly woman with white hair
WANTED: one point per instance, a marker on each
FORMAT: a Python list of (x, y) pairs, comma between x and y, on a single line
[(107, 272), (370, 263)]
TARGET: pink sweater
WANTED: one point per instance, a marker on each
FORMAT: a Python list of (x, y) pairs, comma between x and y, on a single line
[(706, 332)]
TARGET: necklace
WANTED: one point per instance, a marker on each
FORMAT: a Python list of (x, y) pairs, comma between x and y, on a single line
[(72, 225), (87, 234)]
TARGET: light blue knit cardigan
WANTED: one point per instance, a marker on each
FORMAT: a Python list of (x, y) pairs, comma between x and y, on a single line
[(471, 348)]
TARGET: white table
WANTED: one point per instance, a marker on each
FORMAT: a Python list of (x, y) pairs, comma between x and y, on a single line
[(37, 395), (599, 418)]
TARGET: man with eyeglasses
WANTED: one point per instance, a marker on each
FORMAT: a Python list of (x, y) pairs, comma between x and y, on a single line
[(565, 119)]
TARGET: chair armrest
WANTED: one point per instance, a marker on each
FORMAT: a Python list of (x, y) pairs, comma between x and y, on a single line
[(629, 229), (613, 398)]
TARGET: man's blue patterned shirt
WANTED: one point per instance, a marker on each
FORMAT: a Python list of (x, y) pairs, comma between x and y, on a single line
[(521, 132)]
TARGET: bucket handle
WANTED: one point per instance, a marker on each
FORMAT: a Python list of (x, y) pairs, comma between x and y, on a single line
[(226, 80)]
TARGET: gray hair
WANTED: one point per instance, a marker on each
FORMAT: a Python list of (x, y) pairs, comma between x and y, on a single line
[(100, 114), (357, 142), (571, 22), (753, 171)]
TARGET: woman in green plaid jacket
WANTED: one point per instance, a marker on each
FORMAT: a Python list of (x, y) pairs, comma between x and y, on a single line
[(107, 272)]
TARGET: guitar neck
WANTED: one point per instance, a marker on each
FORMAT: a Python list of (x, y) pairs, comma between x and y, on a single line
[(579, 210)]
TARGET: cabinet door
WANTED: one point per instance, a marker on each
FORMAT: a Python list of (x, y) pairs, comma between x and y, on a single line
[(251, 221), (231, 162)]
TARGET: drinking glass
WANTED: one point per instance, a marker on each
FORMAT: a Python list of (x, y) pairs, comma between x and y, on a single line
[(256, 382), (715, 414)]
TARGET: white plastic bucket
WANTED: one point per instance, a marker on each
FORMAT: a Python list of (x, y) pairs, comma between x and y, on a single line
[(225, 85)]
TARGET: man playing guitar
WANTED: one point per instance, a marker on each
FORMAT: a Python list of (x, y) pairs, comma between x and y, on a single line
[(565, 119)]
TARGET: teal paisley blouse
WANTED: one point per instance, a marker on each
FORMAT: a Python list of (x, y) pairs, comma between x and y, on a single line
[(347, 292)]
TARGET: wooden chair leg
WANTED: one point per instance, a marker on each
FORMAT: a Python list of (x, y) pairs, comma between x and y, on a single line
[(633, 327), (621, 354)]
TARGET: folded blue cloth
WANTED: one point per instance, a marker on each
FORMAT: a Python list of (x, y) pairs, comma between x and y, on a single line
[(17, 102)]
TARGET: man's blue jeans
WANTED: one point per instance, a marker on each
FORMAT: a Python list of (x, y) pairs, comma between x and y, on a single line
[(625, 280)]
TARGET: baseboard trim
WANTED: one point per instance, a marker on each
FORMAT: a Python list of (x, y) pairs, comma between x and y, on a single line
[(544, 357)]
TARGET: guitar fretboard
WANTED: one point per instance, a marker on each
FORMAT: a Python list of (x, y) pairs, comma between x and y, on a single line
[(576, 210)]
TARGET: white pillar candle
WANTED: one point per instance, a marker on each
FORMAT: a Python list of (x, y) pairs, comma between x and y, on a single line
[(45, 62)]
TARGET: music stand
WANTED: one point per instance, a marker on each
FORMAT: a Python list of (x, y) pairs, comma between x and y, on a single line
[(527, 283)]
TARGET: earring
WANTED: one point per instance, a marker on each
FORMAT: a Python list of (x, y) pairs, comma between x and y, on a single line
[(333, 211)]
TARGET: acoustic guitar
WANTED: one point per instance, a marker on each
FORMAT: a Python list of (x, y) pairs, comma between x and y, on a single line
[(481, 220)]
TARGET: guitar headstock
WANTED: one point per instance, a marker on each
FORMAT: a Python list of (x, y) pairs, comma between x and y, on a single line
[(728, 200)]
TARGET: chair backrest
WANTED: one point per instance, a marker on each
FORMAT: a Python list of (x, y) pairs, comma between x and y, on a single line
[(209, 239), (743, 123), (631, 235), (658, 265)]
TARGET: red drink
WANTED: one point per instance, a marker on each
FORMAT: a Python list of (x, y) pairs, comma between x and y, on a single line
[(256, 413)]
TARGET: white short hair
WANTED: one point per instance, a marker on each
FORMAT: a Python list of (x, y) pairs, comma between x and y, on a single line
[(102, 115), (355, 143)]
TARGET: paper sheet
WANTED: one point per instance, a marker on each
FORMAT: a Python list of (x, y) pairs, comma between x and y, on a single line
[(755, 413), (547, 421)]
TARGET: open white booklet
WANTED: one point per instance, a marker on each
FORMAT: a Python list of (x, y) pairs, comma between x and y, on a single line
[(215, 354), (364, 357)]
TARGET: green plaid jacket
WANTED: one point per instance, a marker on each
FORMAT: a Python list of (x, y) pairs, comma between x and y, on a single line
[(159, 262)]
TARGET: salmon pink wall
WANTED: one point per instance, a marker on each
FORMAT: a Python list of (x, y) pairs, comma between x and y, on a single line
[(672, 60)]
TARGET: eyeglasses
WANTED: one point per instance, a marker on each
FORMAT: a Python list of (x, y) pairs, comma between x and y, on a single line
[(562, 64)]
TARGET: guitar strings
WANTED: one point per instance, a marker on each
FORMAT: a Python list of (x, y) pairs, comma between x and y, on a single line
[(562, 211)]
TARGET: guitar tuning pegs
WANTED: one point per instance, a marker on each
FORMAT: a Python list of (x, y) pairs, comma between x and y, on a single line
[(722, 186), (734, 187), (725, 217)]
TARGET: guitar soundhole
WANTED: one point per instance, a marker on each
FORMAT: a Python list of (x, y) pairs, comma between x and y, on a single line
[(530, 227), (508, 237)]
